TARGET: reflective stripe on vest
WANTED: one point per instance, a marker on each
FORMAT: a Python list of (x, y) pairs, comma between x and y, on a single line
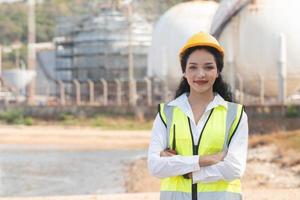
[(203, 195), (215, 137)]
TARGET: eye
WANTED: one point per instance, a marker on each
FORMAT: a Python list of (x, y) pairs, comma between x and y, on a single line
[(192, 67), (209, 67)]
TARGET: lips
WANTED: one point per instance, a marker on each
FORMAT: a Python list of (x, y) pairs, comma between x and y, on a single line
[(200, 82)]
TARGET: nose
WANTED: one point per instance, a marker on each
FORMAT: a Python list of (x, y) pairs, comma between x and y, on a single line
[(201, 73)]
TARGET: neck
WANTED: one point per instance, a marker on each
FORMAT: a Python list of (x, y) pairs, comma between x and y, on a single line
[(200, 98)]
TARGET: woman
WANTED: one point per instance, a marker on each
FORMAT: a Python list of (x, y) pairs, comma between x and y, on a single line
[(199, 140)]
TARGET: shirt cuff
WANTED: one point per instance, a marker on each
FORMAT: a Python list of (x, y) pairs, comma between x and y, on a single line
[(195, 161), (195, 177)]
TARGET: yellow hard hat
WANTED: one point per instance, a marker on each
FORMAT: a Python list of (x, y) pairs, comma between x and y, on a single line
[(201, 39)]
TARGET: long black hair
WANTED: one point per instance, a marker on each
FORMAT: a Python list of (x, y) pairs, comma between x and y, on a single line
[(220, 86)]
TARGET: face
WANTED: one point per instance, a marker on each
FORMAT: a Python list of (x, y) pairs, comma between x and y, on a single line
[(201, 71)]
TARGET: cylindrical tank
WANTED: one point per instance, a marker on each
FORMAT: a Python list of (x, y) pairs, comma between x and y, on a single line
[(263, 40), (171, 32), (18, 78)]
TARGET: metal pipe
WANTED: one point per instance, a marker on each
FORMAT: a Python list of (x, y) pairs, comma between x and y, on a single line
[(77, 90), (104, 84), (133, 94), (149, 91), (91, 92), (119, 92), (165, 90), (282, 69), (62, 93), (230, 64), (241, 88), (262, 89), (132, 86), (0, 66), (31, 60)]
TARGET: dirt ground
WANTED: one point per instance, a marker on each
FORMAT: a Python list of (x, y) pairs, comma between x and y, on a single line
[(72, 137), (263, 180), (271, 172)]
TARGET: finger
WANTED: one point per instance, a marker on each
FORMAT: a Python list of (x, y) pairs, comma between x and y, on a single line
[(163, 153), (166, 154), (172, 152)]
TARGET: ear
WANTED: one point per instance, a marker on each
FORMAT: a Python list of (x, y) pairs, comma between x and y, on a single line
[(184, 75)]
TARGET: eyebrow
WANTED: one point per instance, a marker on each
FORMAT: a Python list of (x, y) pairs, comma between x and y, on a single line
[(207, 63)]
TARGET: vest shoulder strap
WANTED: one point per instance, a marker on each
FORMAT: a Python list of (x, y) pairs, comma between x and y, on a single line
[(234, 115), (162, 114), (166, 115)]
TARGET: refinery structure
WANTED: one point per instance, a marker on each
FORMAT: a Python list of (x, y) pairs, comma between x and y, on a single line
[(116, 57), (260, 38), (95, 51)]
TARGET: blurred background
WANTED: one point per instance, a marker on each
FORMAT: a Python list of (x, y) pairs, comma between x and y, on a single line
[(80, 82)]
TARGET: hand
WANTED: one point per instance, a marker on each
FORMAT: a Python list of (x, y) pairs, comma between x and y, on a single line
[(188, 175), (168, 153), (212, 159)]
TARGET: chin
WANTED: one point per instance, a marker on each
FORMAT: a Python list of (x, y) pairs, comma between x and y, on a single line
[(202, 90)]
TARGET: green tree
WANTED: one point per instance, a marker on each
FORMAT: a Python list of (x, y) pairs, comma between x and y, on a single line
[(12, 23)]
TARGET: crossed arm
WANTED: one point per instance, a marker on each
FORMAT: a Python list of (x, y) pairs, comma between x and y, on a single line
[(221, 166)]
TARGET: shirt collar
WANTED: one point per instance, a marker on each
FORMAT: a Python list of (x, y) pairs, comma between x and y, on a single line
[(183, 103)]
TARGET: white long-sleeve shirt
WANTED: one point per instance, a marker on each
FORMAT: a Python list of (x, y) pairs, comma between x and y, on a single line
[(233, 165)]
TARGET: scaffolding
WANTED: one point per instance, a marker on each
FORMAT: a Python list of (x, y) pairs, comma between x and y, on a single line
[(91, 48)]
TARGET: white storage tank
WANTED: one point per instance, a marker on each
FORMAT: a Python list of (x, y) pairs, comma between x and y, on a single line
[(260, 38), (171, 32), (18, 79)]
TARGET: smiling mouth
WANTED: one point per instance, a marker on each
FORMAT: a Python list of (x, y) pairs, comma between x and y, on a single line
[(200, 82)]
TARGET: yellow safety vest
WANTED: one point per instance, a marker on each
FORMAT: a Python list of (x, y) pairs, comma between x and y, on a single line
[(215, 137)]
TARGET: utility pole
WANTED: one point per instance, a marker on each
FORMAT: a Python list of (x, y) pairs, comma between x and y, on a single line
[(16, 46), (131, 82), (31, 60), (0, 59), (0, 65)]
